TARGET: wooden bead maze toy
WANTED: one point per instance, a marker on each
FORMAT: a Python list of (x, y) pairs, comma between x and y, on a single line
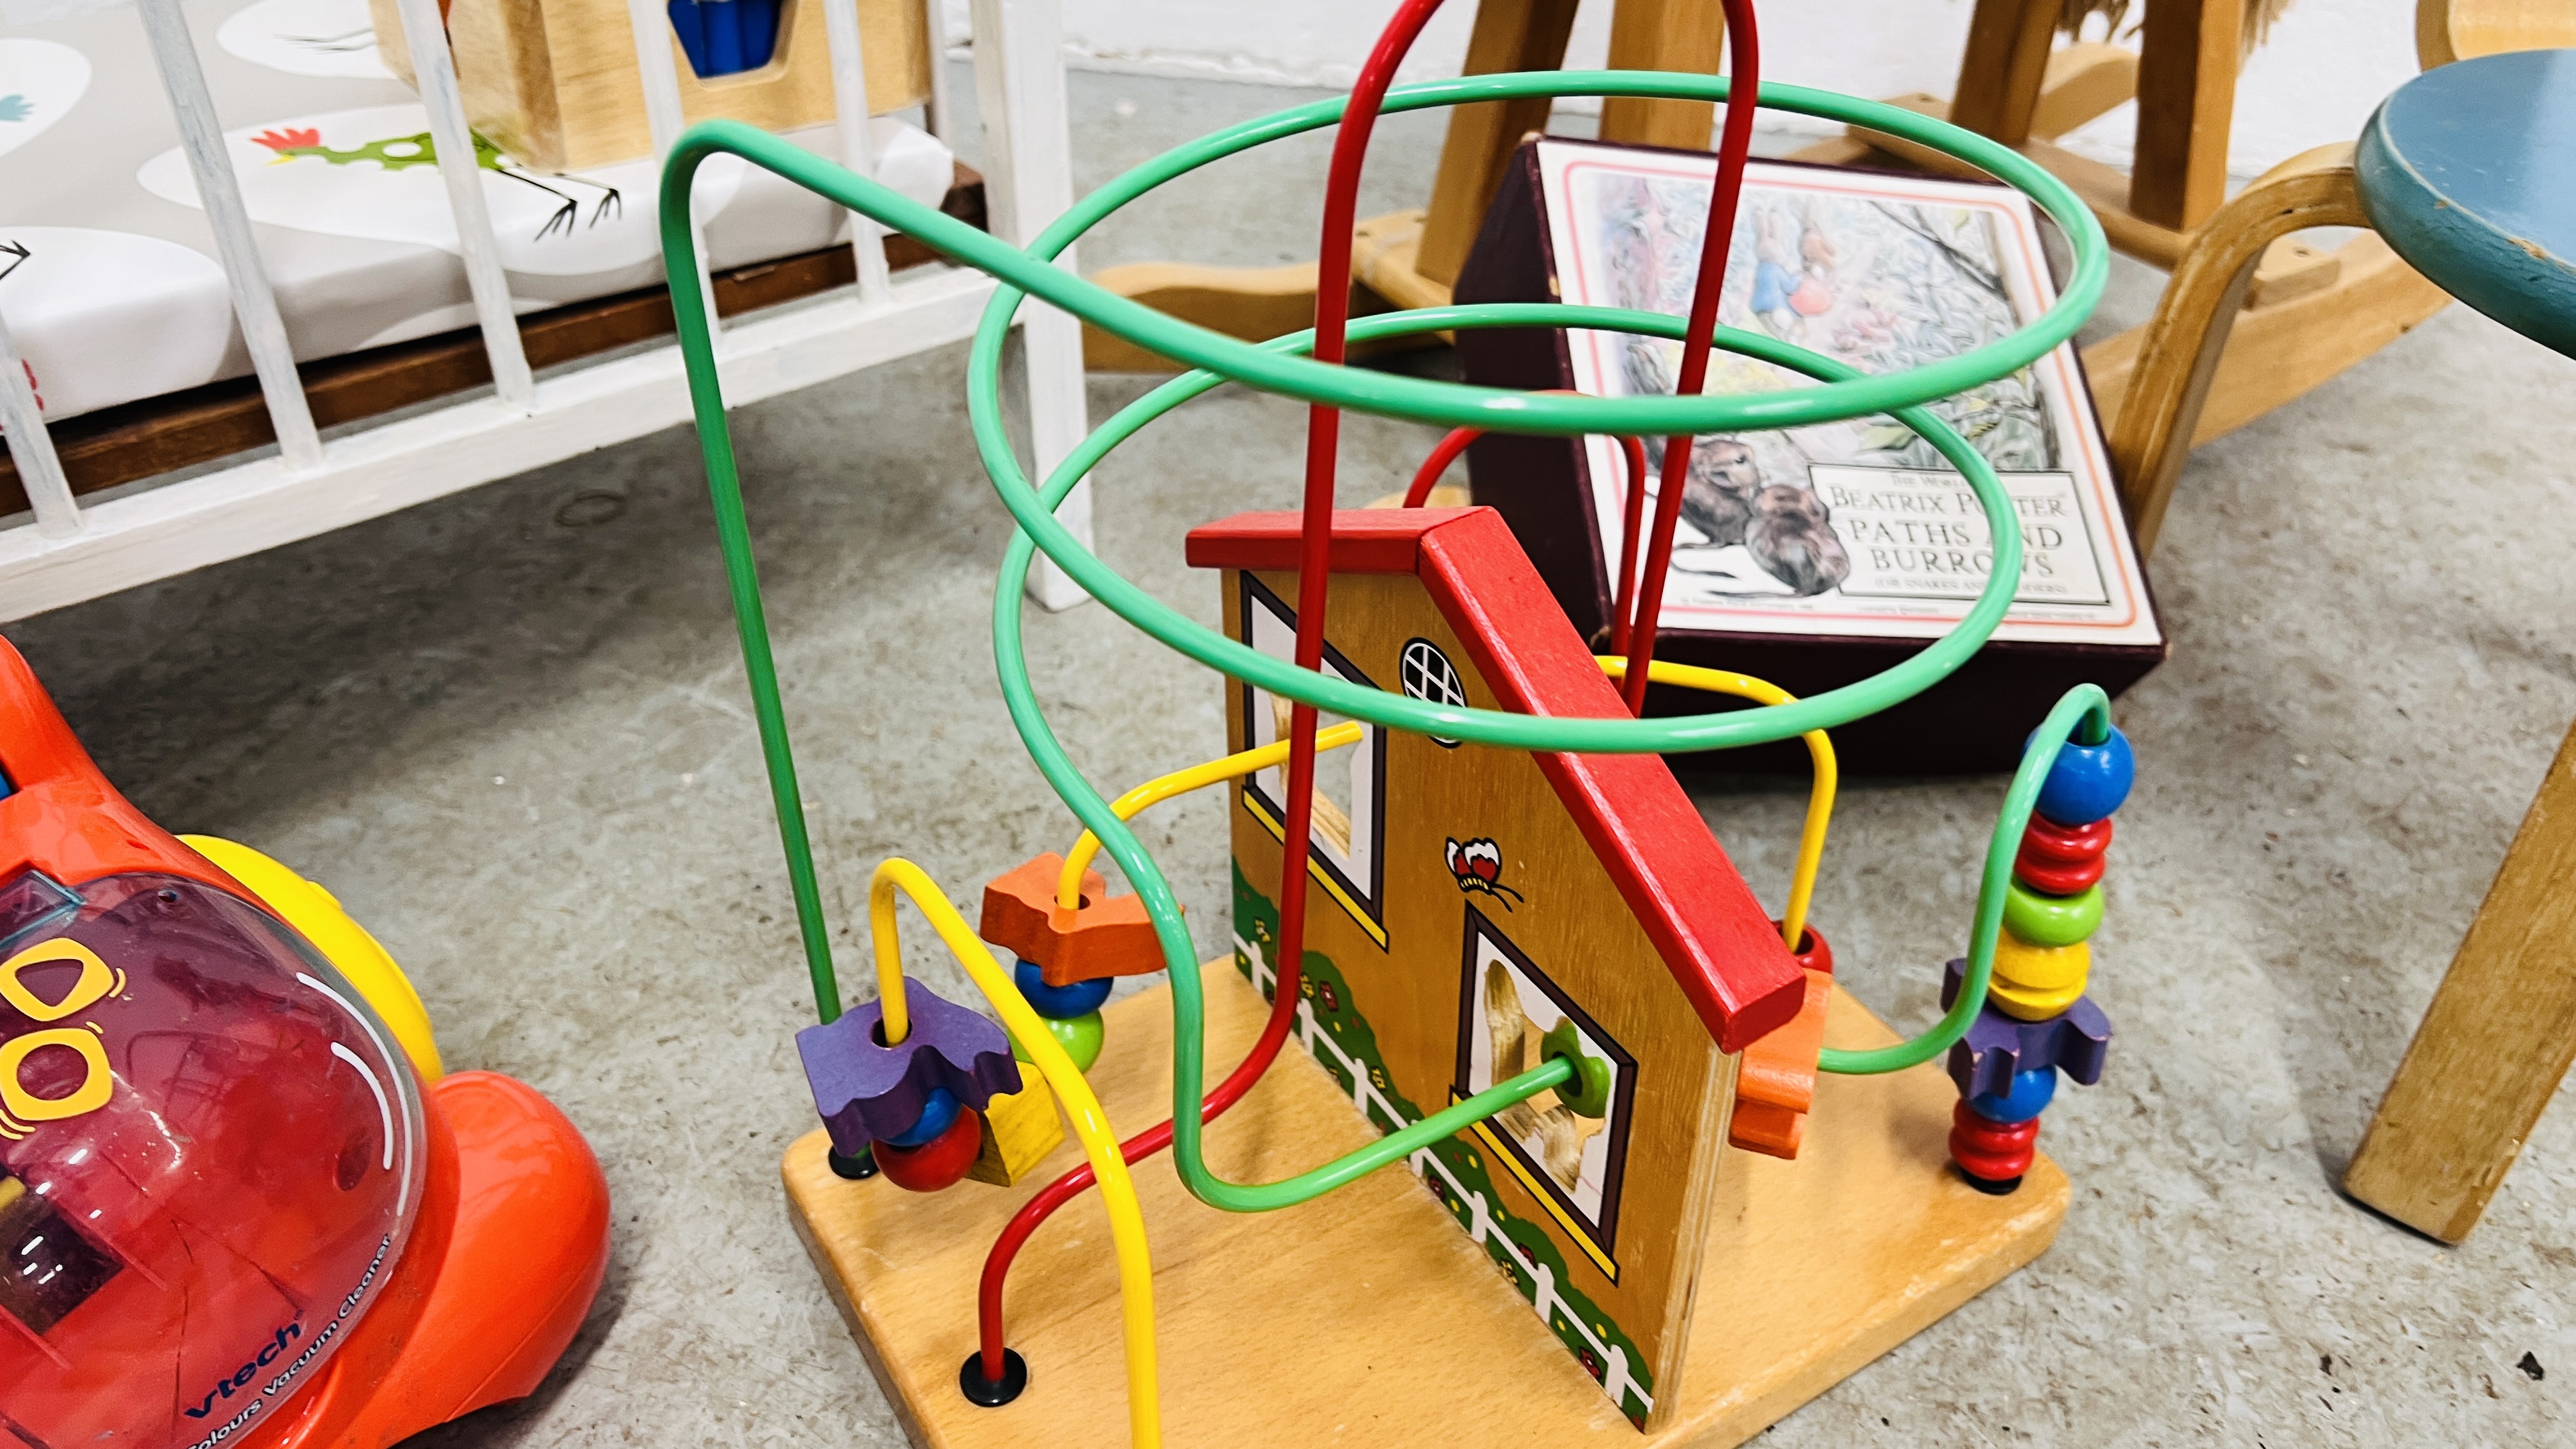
[(1666, 1178)]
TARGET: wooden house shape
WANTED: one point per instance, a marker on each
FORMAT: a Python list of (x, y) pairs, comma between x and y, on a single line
[(1467, 901)]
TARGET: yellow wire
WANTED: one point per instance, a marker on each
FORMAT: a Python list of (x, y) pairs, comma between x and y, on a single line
[(889, 952), (1090, 1123), (1820, 798), (1068, 886)]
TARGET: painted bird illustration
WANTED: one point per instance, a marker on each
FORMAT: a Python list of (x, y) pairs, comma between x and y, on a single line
[(397, 153), (1477, 866)]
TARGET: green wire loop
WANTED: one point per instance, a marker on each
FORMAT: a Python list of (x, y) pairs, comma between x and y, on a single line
[(1278, 366), (2084, 707)]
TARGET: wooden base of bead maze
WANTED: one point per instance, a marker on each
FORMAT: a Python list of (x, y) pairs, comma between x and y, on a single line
[(1367, 1310)]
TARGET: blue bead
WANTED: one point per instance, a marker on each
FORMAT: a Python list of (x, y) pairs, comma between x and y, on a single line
[(938, 1114), (2087, 782), (2030, 1095), (1062, 1003)]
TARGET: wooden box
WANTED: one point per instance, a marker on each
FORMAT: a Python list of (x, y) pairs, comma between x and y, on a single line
[(1880, 271), (553, 82)]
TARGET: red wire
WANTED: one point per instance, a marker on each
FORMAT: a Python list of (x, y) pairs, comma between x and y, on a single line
[(1438, 463), (1734, 141), (1034, 1213), (1456, 442), (1633, 517), (1323, 438), (1323, 444)]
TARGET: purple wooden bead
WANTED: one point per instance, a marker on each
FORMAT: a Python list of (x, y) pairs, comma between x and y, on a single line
[(866, 1092), (2074, 1041)]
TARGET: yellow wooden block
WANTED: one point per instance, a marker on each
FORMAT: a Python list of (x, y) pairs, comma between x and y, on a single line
[(1019, 1131)]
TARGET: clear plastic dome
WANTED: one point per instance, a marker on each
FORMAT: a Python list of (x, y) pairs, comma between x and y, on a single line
[(211, 1152)]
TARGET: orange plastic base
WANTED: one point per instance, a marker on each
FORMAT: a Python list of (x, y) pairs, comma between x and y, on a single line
[(508, 1253)]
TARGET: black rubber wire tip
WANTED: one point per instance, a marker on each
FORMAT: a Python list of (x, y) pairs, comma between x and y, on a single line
[(856, 1169), (993, 1393), (1990, 1186)]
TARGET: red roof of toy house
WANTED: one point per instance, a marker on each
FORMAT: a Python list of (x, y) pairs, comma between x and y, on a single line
[(1701, 916)]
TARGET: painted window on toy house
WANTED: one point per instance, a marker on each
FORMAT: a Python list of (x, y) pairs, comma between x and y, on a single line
[(1349, 829), (1574, 1165)]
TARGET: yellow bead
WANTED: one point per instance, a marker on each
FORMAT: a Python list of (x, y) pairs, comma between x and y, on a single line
[(2021, 964), (2032, 1003)]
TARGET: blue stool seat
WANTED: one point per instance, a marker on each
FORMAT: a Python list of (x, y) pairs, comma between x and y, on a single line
[(2469, 173)]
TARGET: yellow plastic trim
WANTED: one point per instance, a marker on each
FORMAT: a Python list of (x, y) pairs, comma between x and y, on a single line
[(1820, 749), (317, 916), (1081, 1108)]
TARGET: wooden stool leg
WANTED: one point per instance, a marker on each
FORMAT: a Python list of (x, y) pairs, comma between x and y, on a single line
[(2188, 54), (1683, 35), (1510, 35), (2151, 434), (2004, 68), (2496, 1040)]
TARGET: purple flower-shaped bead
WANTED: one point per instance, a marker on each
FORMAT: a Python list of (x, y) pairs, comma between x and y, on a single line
[(1998, 1045), (867, 1092)]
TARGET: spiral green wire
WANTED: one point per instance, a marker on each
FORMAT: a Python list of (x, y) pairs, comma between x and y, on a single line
[(1276, 366)]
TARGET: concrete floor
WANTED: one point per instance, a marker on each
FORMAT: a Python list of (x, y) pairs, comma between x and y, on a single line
[(510, 730)]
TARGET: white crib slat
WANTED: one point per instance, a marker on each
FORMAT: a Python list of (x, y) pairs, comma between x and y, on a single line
[(938, 118), (201, 136), (653, 61), (434, 72), (1028, 182), (657, 62), (858, 152), (40, 468)]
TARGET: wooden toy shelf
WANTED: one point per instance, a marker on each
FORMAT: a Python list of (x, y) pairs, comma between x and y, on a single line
[(1368, 1311)]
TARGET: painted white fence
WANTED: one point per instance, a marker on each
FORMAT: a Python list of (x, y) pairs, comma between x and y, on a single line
[(1616, 1380)]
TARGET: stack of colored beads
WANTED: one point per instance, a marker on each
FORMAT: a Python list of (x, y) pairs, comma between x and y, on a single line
[(2037, 1021), (908, 1108), (1071, 1012)]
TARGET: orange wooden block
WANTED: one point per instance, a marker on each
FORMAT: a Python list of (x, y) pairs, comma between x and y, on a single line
[(1108, 936), (1776, 1084)]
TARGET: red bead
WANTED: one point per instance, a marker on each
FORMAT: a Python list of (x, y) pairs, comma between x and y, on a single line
[(2061, 860), (1995, 1151), (1812, 953), (938, 1162)]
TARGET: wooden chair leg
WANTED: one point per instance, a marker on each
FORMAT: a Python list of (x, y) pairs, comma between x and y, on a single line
[(1509, 35), (1684, 35), (2496, 1040), (2188, 54), (2004, 68), (2159, 412)]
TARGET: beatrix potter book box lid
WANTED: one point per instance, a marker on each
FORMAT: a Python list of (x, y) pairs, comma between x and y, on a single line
[(1815, 556)]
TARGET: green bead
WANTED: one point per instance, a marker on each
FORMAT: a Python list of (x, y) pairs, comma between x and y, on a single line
[(2052, 920), (1080, 1037), (1588, 1094)]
